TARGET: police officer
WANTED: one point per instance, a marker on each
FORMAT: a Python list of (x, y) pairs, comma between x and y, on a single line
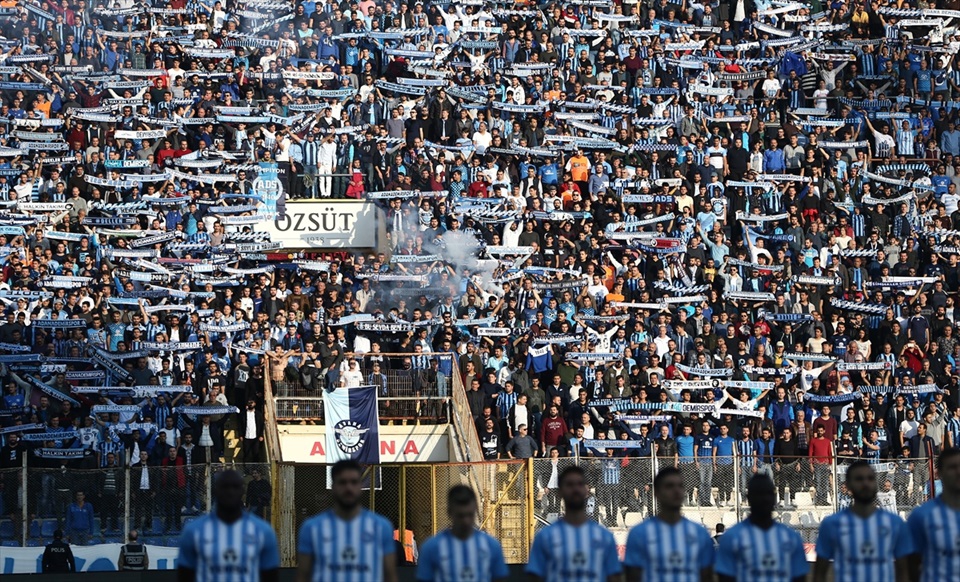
[(57, 557), (133, 555)]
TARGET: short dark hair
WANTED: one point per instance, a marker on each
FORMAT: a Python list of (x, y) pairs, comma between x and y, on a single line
[(460, 495), (344, 465), (854, 466), (571, 470), (665, 473), (945, 456)]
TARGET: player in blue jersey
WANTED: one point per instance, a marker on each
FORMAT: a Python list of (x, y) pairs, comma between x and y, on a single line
[(574, 548), (759, 549), (230, 544), (669, 547), (347, 543), (935, 527), (461, 552), (864, 541)]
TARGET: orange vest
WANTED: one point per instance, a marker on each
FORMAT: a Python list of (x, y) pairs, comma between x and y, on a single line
[(407, 544)]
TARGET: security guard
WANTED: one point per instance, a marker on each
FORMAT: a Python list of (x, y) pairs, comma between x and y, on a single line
[(58, 557), (133, 555)]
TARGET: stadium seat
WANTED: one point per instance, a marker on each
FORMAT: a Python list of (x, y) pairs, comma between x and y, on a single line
[(34, 530), (6, 529), (10, 544), (156, 525), (47, 527), (806, 519), (632, 518), (802, 499)]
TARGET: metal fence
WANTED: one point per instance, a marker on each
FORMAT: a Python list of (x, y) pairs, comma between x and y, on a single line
[(807, 491), (102, 505), (413, 498), (409, 391)]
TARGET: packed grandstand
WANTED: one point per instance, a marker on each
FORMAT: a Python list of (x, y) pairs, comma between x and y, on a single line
[(720, 236)]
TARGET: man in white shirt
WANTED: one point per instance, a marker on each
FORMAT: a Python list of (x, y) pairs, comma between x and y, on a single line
[(352, 377)]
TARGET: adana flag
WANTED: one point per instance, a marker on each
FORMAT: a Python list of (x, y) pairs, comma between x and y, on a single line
[(353, 425)]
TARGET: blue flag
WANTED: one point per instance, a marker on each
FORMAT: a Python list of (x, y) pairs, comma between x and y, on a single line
[(353, 425)]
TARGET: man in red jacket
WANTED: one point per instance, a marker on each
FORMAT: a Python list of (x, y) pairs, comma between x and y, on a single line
[(552, 430), (821, 462), (173, 487)]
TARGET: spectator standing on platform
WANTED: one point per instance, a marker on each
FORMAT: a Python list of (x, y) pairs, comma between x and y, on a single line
[(79, 523)]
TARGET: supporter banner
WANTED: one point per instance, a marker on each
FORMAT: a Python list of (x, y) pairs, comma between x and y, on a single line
[(593, 357), (816, 280), (748, 296), (111, 408), (782, 371), (50, 435), (802, 356), (59, 323), (66, 454), (98, 558), (206, 410), (705, 371), (389, 327), (748, 385), (51, 391), (23, 428), (225, 327), (612, 444), (147, 241), (855, 306), (692, 384), (173, 346), (834, 399), (494, 332), (341, 225), (863, 366), (148, 134), (689, 407), (353, 425)]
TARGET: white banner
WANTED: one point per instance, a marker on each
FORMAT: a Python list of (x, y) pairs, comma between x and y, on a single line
[(398, 444), (315, 224), (99, 558)]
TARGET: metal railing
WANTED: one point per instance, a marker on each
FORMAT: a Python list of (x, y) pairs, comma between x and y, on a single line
[(102, 505), (405, 393)]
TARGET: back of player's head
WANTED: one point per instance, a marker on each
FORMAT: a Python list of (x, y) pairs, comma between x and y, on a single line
[(721, 528), (345, 465), (760, 483), (665, 474), (860, 465), (460, 495), (571, 470), (945, 456)]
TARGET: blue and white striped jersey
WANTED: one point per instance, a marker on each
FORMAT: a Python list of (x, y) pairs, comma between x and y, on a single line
[(669, 553), (748, 552), (863, 549), (935, 528), (446, 558), (346, 551), (228, 552), (568, 553)]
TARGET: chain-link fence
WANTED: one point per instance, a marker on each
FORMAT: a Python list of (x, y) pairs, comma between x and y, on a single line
[(413, 498), (411, 388), (102, 505)]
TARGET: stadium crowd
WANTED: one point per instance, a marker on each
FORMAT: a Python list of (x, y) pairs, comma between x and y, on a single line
[(723, 230)]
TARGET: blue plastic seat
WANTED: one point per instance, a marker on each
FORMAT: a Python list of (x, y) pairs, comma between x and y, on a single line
[(47, 527), (6, 529)]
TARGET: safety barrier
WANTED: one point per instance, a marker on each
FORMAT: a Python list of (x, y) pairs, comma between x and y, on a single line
[(102, 505)]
